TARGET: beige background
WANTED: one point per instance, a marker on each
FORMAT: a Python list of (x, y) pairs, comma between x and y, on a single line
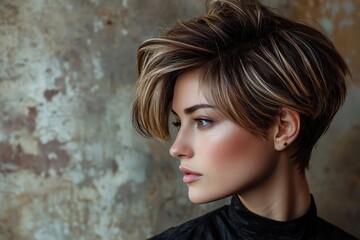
[(71, 166)]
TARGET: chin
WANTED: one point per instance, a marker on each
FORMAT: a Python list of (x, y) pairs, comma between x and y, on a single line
[(199, 198)]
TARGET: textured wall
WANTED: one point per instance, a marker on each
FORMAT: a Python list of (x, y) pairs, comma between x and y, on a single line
[(335, 167), (71, 166)]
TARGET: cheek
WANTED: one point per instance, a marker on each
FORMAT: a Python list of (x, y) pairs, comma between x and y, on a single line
[(236, 150)]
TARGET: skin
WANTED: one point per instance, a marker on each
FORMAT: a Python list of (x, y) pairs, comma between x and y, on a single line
[(230, 160)]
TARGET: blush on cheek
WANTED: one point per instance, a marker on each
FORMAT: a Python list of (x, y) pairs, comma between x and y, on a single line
[(232, 144)]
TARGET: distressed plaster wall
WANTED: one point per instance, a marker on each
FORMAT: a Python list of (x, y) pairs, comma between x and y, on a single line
[(71, 166), (335, 166)]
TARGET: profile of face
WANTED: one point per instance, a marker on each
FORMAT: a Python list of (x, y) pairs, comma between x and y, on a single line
[(218, 157)]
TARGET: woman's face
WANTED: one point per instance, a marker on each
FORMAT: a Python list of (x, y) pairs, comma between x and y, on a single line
[(218, 157)]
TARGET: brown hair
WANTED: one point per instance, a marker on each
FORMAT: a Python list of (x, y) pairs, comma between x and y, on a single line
[(254, 62)]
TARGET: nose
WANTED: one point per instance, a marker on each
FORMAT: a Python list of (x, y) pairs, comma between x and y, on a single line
[(181, 148)]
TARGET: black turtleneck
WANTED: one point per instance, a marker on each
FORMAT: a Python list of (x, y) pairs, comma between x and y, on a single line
[(237, 222)]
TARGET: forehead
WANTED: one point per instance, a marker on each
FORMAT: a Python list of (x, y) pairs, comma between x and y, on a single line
[(187, 91)]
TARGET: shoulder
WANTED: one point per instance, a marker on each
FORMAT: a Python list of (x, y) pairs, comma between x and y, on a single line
[(194, 229), (328, 231)]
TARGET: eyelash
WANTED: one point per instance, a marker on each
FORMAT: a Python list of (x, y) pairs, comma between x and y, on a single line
[(177, 124), (202, 120)]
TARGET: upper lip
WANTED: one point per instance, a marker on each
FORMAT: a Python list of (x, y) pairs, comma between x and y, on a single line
[(186, 170)]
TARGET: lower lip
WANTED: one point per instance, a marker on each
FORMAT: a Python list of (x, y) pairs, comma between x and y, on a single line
[(190, 178)]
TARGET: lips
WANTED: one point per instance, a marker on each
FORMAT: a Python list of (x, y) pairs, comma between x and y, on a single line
[(189, 175)]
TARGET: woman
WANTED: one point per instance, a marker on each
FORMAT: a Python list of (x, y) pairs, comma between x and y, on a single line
[(250, 92)]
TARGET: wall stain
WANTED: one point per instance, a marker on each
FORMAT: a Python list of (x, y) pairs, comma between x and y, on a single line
[(50, 93), (15, 122), (50, 157), (9, 14)]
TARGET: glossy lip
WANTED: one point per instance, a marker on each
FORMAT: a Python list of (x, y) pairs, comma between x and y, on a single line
[(189, 175)]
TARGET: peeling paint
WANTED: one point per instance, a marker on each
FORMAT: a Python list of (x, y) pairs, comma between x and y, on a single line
[(349, 7), (327, 24), (98, 72), (28, 144), (346, 23), (125, 3), (124, 32)]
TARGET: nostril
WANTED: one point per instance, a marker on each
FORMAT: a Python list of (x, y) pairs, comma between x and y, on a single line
[(181, 147), (173, 151), (181, 152), (177, 150)]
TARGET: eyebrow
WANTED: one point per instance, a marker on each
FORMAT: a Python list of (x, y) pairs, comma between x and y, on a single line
[(193, 108)]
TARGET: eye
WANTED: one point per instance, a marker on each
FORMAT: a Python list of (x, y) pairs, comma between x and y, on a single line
[(203, 122), (176, 124)]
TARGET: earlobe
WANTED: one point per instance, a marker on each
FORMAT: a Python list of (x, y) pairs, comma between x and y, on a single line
[(287, 128)]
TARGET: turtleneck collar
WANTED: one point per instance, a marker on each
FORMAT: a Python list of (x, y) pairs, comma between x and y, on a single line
[(254, 226)]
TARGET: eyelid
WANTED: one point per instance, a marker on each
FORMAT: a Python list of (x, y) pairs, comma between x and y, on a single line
[(176, 123), (202, 119)]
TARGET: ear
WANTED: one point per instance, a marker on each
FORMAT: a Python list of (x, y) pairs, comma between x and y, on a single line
[(287, 128)]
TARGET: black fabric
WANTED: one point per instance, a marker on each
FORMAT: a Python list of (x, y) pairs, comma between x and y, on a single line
[(237, 222)]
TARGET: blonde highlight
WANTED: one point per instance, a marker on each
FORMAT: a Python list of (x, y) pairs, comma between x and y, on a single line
[(254, 62)]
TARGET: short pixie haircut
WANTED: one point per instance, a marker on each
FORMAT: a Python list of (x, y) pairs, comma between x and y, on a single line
[(253, 62)]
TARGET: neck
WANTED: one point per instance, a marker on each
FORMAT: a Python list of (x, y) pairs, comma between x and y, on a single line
[(284, 195)]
